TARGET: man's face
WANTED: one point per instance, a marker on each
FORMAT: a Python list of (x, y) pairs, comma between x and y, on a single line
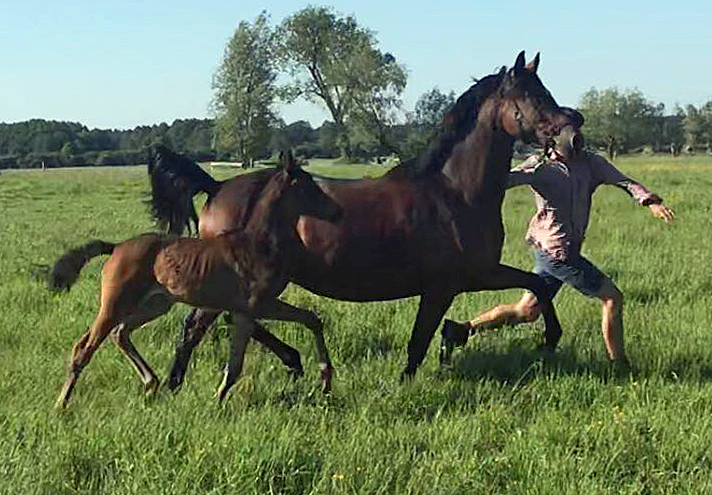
[(569, 142)]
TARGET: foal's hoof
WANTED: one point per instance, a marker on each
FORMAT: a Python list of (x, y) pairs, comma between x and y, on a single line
[(326, 373), (407, 376), (151, 388), (220, 395), (174, 383), (295, 373), (453, 335)]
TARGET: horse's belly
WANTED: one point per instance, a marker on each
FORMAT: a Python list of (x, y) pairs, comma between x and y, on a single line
[(367, 271)]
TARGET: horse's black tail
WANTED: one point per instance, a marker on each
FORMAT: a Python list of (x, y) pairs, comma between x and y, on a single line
[(175, 179), (66, 269)]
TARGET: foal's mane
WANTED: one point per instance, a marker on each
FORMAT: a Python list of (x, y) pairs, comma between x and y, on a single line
[(457, 124)]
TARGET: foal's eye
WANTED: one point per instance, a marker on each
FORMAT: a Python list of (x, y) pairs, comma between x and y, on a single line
[(293, 182)]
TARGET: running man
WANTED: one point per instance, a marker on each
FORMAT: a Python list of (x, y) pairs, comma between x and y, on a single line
[(562, 184)]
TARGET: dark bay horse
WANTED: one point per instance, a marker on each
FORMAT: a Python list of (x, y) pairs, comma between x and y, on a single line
[(241, 271), (433, 229)]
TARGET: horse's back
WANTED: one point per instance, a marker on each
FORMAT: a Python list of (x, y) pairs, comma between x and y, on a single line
[(230, 207)]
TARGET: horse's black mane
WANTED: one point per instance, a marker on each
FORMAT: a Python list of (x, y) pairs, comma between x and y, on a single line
[(457, 124)]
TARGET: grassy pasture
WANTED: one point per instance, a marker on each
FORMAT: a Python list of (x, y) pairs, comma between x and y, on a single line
[(500, 421)]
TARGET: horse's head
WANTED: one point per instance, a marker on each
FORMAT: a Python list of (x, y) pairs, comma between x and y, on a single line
[(300, 193), (528, 112)]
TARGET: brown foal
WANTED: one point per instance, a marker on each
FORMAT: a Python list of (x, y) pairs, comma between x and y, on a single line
[(242, 272)]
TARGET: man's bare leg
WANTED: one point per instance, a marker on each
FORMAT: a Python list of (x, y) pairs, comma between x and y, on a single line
[(612, 320), (453, 333), (524, 311)]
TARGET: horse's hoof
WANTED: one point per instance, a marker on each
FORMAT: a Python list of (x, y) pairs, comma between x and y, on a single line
[(621, 368), (455, 332), (453, 335)]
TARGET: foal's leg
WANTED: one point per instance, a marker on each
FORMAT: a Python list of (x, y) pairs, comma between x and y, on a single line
[(83, 351), (432, 308), (279, 310), (121, 336), (241, 329), (286, 353), (194, 328)]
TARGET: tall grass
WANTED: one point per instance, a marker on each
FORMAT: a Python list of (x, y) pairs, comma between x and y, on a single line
[(500, 421)]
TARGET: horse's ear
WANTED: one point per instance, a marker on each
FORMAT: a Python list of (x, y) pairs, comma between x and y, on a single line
[(534, 64), (519, 63), (288, 162)]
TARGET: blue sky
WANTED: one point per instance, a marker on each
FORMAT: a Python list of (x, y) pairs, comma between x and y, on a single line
[(119, 64)]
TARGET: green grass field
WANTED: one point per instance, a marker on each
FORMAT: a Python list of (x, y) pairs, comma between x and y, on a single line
[(500, 421)]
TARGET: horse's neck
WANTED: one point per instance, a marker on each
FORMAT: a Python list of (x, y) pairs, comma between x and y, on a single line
[(478, 165)]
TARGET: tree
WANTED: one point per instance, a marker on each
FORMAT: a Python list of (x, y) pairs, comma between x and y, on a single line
[(619, 121), (335, 62), (423, 123), (697, 126), (245, 90), (377, 88)]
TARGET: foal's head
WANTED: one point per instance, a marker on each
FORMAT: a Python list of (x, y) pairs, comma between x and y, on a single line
[(295, 193)]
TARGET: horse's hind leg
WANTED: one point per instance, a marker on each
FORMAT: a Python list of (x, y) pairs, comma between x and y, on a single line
[(241, 328), (194, 328), (83, 351), (279, 310), (121, 336)]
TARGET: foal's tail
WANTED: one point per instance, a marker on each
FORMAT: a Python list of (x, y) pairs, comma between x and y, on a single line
[(175, 179), (66, 269)]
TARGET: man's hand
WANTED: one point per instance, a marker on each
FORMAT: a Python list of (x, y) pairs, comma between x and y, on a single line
[(662, 211)]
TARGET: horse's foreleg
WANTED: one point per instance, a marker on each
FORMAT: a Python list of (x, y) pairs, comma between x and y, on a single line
[(507, 277), (431, 310), (194, 328), (241, 329), (279, 310)]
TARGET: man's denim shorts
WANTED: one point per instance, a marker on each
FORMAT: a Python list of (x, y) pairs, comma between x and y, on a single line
[(575, 270)]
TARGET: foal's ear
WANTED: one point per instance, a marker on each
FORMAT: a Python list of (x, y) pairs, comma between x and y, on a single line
[(534, 64), (519, 64)]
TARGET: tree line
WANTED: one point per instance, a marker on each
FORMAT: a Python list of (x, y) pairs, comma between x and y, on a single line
[(331, 60), (626, 121), (41, 143)]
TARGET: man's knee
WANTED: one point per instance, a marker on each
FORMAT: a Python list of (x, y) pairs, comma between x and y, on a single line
[(529, 313), (610, 295), (524, 312), (528, 308)]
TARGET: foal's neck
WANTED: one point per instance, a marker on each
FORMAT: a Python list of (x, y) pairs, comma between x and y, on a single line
[(266, 223), (479, 164)]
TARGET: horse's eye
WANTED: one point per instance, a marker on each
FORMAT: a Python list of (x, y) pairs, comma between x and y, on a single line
[(293, 182)]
